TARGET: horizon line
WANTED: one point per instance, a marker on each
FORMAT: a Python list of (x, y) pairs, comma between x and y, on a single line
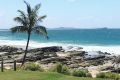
[(71, 28)]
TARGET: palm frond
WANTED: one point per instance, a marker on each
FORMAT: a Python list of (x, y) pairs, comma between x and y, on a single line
[(22, 13), (41, 18), (41, 30), (19, 29), (37, 7), (20, 20), (28, 7)]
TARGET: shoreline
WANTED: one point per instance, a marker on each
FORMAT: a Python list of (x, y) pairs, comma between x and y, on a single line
[(112, 49)]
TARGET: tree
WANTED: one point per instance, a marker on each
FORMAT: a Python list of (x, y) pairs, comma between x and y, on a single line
[(29, 22)]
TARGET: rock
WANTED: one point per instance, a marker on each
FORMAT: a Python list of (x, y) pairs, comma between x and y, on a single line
[(47, 49), (9, 49), (77, 53), (74, 66), (50, 54), (9, 56), (53, 60), (39, 55), (73, 48), (78, 58), (48, 60), (62, 54), (108, 68), (106, 53), (94, 55), (69, 47)]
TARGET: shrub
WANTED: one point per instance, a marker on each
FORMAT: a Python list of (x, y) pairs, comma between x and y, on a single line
[(113, 76), (109, 75), (56, 68), (101, 75), (32, 67), (88, 75), (79, 73), (65, 70), (59, 68), (52, 69)]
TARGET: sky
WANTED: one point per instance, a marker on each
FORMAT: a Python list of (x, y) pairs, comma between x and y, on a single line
[(66, 13)]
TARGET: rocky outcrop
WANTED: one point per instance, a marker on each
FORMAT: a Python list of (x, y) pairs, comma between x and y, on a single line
[(54, 54), (47, 49), (92, 55), (10, 49)]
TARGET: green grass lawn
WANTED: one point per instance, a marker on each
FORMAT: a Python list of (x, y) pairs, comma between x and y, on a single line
[(29, 75)]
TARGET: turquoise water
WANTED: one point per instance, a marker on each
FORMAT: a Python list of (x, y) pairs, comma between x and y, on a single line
[(70, 36)]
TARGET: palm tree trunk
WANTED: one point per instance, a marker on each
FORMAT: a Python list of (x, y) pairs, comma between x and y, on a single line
[(26, 49)]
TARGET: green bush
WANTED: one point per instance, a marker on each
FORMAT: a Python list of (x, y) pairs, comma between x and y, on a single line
[(79, 73), (108, 75), (88, 75), (56, 68), (32, 67), (59, 68), (52, 69), (113, 76), (65, 70), (101, 75)]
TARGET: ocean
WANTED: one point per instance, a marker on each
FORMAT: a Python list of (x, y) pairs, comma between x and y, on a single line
[(107, 40)]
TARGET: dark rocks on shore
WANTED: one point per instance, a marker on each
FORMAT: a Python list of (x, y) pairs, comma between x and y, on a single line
[(77, 53), (47, 49), (9, 49), (33, 54), (97, 55), (48, 55)]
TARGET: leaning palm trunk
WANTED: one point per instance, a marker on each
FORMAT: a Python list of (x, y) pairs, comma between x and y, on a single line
[(26, 50)]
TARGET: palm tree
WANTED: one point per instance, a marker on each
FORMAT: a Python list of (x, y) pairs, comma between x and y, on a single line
[(29, 22)]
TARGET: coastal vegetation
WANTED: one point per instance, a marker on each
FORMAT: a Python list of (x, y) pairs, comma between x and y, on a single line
[(109, 75), (32, 67), (29, 22)]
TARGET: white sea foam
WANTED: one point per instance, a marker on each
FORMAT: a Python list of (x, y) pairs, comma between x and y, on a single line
[(68, 47)]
